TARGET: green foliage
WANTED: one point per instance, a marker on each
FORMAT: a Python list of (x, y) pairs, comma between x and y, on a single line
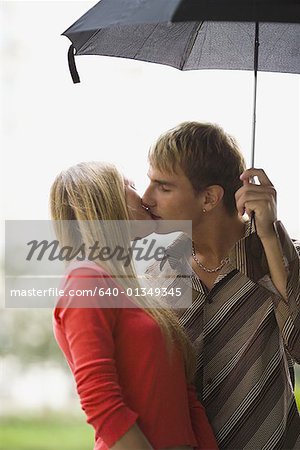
[(46, 433), (53, 432), (297, 387), (297, 394), (28, 335)]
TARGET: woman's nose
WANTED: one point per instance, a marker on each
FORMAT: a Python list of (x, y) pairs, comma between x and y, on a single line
[(147, 199)]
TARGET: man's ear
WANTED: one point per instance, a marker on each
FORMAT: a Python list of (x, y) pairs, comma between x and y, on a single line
[(213, 195)]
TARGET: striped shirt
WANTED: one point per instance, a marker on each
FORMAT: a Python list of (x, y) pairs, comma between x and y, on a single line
[(246, 337)]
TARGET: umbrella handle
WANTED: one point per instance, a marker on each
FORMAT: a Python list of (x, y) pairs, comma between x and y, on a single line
[(72, 65)]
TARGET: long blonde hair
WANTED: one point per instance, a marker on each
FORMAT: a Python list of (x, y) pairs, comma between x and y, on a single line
[(93, 191)]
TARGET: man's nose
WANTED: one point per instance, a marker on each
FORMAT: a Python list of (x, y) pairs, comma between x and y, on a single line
[(148, 199)]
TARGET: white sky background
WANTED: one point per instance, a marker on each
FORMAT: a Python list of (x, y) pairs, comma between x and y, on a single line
[(120, 108)]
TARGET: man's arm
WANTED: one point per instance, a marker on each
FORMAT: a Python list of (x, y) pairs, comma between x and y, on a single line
[(281, 254), (274, 255), (260, 200)]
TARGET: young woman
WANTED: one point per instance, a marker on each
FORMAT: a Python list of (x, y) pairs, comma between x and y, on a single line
[(133, 364)]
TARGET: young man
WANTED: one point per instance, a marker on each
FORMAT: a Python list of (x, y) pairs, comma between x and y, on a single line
[(245, 314)]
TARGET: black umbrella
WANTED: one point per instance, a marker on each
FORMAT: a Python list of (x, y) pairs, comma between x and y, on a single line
[(193, 34)]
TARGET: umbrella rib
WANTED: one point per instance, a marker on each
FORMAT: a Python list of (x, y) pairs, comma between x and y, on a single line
[(85, 44), (275, 43), (189, 46), (147, 38), (243, 29), (234, 47)]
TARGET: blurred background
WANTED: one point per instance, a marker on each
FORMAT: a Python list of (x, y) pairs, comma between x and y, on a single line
[(118, 110)]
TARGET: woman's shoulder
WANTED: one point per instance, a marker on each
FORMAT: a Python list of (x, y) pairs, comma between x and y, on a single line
[(87, 285)]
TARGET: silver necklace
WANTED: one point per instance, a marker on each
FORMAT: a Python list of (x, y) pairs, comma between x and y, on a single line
[(206, 269)]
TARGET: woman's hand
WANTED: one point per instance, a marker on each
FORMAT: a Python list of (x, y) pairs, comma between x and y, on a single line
[(134, 439), (181, 447)]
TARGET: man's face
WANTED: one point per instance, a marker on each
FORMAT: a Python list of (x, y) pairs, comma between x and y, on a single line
[(171, 196)]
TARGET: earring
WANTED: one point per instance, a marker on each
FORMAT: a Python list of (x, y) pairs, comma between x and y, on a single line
[(204, 210)]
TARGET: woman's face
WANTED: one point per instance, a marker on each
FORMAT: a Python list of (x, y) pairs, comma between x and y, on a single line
[(134, 203), (138, 212)]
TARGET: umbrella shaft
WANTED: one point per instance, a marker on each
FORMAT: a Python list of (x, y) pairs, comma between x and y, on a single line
[(256, 46)]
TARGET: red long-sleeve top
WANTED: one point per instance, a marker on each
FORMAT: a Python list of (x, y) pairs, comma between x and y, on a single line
[(123, 371)]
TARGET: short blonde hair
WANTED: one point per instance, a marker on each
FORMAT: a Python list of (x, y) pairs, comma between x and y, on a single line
[(206, 154)]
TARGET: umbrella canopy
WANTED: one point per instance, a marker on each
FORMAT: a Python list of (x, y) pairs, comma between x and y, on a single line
[(197, 45), (193, 34)]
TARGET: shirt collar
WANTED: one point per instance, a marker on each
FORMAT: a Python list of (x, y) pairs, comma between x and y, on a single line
[(247, 255), (176, 250)]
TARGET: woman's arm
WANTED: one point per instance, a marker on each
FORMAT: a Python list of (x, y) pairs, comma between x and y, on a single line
[(133, 439), (203, 431), (88, 344)]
